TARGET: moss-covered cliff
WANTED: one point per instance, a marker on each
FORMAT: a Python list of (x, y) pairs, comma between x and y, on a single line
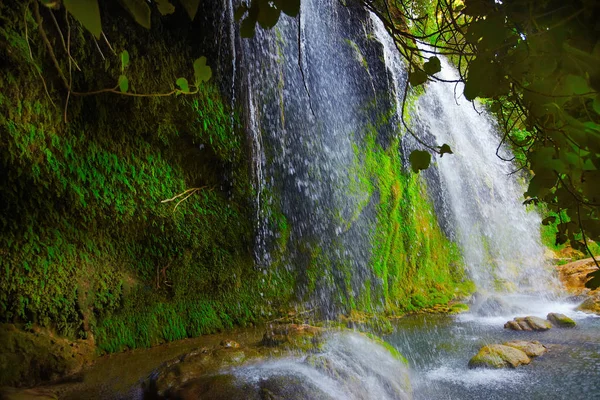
[(90, 248)]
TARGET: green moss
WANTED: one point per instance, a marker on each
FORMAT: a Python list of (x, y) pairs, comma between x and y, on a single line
[(87, 243), (417, 265)]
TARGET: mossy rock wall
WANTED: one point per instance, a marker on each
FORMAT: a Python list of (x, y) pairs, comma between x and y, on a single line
[(86, 242)]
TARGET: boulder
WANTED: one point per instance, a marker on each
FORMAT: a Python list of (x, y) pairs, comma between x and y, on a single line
[(561, 320), (591, 304), (532, 349), (574, 275), (29, 358), (529, 323), (499, 356)]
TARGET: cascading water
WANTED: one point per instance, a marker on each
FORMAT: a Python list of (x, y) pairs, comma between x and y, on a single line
[(477, 194), (310, 89), (500, 238)]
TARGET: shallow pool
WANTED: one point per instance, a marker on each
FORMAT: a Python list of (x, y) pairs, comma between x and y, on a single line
[(439, 347)]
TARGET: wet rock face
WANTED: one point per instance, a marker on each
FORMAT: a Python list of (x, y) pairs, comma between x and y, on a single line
[(335, 365), (528, 324), (560, 320), (574, 276)]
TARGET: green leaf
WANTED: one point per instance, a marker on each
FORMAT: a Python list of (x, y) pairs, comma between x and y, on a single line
[(191, 7), (139, 10), (432, 66), (289, 7), (124, 60), (268, 15), (183, 84), (577, 84), (419, 160), (240, 12), (165, 7), (594, 282), (88, 13), (445, 149), (123, 83), (248, 27), (596, 104), (417, 77), (549, 220), (202, 72)]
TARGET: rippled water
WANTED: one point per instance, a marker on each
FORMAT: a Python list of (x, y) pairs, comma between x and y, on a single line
[(439, 347)]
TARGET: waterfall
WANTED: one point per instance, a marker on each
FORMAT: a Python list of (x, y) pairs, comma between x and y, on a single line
[(315, 85), (478, 196), (500, 238), (310, 89)]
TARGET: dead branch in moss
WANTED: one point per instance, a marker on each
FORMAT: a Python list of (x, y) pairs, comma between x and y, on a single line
[(183, 196)]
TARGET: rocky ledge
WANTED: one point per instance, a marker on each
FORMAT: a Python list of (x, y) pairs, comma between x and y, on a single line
[(574, 276)]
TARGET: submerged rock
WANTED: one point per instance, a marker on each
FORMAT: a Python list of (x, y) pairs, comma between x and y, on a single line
[(532, 349), (529, 323), (560, 320), (499, 356)]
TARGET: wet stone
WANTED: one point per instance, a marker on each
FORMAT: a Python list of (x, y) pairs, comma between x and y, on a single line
[(499, 356), (529, 323), (532, 349), (561, 320)]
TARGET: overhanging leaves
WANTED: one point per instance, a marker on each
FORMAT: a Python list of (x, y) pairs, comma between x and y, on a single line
[(88, 13), (419, 160), (191, 7), (202, 72), (139, 10)]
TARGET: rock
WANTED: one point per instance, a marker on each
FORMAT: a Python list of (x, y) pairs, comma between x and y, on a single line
[(32, 358), (499, 356), (514, 325), (532, 349), (528, 324), (27, 394), (574, 275), (229, 344), (538, 324), (561, 320), (491, 306), (279, 373), (299, 336), (591, 304)]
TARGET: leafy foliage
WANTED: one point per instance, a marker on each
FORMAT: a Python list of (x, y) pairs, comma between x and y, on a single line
[(264, 12)]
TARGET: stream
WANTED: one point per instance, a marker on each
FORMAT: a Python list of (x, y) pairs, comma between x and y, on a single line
[(439, 347)]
